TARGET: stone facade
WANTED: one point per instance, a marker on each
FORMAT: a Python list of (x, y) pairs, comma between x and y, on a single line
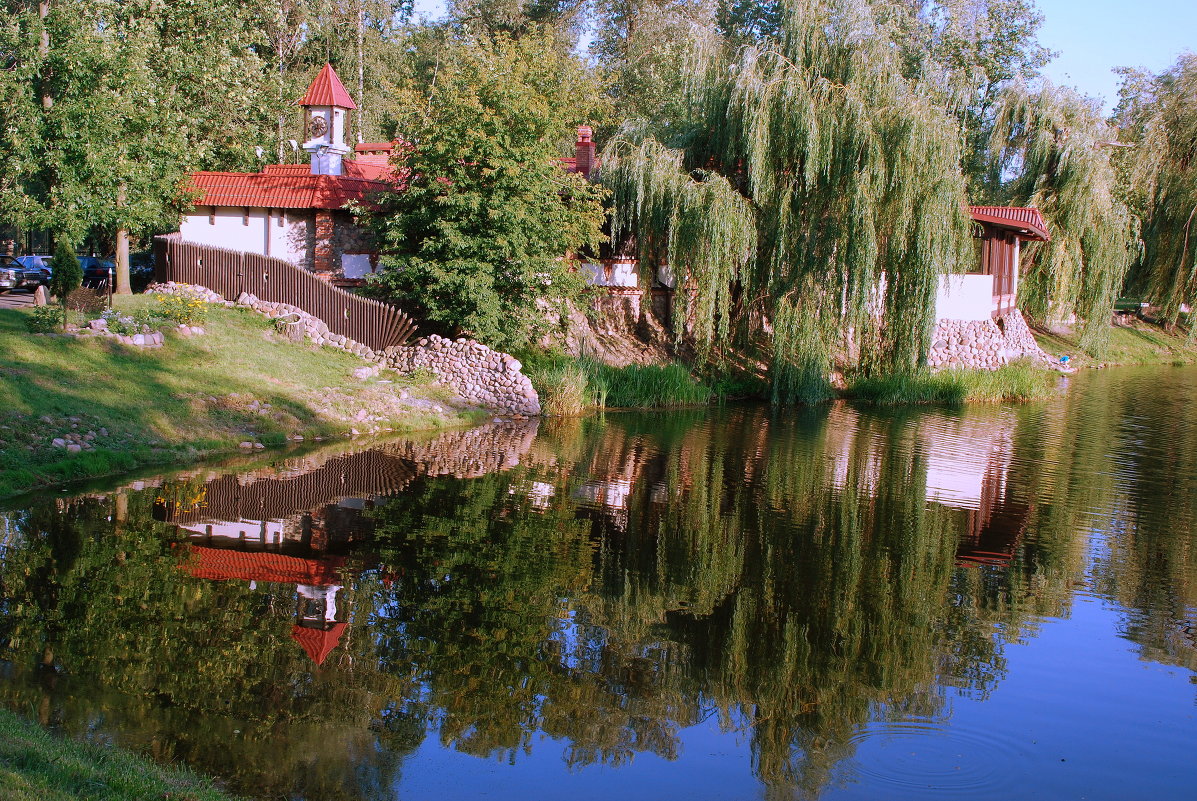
[(983, 344)]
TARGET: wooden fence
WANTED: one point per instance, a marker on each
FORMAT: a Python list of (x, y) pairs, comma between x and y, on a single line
[(230, 272)]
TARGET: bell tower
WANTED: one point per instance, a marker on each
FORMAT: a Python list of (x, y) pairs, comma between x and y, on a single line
[(326, 107)]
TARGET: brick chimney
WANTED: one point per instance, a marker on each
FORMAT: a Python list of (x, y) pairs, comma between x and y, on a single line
[(584, 150)]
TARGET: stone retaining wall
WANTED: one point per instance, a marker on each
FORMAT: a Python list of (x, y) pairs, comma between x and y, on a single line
[(479, 375), (983, 344), (475, 372)]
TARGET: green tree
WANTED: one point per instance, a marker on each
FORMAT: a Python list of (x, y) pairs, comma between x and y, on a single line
[(811, 167), (65, 273), (1158, 116), (479, 235), (1057, 145)]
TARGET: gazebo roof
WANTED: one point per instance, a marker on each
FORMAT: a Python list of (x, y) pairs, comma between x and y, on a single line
[(1028, 223)]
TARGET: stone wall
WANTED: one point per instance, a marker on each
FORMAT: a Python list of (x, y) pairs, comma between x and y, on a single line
[(478, 374), (983, 344)]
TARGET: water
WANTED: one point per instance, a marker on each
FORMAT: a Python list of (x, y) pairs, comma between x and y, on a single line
[(997, 602)]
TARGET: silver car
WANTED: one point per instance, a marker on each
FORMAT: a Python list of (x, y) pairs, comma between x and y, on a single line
[(15, 276)]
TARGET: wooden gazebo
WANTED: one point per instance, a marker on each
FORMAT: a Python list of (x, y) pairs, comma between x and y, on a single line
[(1000, 230)]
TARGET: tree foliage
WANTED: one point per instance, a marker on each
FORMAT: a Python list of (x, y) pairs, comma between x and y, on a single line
[(1059, 146), (852, 180), (478, 234), (1158, 116)]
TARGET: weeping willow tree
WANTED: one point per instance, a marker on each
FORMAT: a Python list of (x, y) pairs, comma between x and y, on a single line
[(813, 200), (1060, 150), (1159, 115)]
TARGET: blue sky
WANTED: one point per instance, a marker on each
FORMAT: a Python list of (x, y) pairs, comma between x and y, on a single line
[(1092, 37)]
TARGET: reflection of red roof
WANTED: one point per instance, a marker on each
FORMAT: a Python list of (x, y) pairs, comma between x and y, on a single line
[(327, 90), (318, 644), (220, 564), (287, 186), (1029, 223)]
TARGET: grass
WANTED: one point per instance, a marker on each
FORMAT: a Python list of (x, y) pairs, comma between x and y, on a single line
[(570, 386), (242, 381), (36, 766), (1140, 343), (1020, 381)]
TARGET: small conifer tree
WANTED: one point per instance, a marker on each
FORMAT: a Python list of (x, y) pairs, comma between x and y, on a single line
[(65, 274)]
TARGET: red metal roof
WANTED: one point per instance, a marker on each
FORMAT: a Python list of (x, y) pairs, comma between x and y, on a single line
[(318, 644), (1028, 222), (286, 186), (221, 564), (327, 90)]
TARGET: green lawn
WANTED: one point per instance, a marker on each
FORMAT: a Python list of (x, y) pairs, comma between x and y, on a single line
[(240, 382), (36, 766), (1138, 344)]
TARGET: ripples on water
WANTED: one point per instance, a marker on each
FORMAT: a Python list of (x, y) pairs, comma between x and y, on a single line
[(992, 602)]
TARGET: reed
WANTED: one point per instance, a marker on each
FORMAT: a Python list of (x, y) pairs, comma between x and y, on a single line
[(1020, 381)]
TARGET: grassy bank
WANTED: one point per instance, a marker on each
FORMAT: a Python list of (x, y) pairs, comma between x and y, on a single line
[(571, 386), (127, 407), (1138, 343), (36, 766), (1020, 381)]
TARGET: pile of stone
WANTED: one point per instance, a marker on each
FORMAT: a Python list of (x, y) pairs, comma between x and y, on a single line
[(983, 344), (189, 290)]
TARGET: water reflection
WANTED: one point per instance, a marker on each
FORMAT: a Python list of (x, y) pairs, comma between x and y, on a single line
[(809, 581)]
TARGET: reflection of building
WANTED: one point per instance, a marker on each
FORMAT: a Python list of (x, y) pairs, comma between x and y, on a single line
[(319, 621)]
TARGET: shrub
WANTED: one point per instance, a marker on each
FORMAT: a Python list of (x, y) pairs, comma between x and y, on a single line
[(66, 274), (183, 307), (44, 319)]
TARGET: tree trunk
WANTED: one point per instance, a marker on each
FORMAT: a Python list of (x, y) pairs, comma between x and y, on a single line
[(43, 49), (123, 285)]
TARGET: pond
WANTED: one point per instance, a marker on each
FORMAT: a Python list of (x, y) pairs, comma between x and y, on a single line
[(840, 602)]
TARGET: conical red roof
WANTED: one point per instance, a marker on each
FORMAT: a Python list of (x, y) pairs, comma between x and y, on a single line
[(318, 644), (327, 90)]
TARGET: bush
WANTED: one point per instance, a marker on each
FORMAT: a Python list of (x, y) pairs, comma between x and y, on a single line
[(44, 319), (183, 307), (66, 274)]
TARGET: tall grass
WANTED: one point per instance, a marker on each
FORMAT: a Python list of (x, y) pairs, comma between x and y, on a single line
[(570, 386), (1019, 381)]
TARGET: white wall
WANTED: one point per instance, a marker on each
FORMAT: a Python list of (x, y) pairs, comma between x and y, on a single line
[(964, 297), (263, 234), (623, 274)]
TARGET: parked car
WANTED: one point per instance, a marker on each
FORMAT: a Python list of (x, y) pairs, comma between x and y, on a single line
[(95, 270), (38, 262), (14, 275)]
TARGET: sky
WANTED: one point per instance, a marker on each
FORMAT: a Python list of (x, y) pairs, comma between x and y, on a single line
[(1091, 37)]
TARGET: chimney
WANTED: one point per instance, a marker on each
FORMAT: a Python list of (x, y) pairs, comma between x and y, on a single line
[(585, 151)]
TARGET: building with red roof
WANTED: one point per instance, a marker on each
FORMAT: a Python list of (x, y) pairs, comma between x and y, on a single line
[(297, 212)]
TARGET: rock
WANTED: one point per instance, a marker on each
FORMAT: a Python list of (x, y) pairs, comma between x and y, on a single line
[(246, 445), (98, 324), (74, 447), (59, 442), (259, 446), (139, 339), (362, 373)]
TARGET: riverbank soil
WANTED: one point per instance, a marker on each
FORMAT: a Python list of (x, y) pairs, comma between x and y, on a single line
[(73, 408), (1132, 342), (36, 766)]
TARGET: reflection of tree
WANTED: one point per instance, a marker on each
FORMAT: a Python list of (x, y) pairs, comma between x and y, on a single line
[(793, 576), (196, 671)]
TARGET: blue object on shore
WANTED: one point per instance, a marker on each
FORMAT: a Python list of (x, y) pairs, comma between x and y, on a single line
[(1063, 360)]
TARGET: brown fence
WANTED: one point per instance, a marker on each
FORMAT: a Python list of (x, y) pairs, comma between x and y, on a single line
[(230, 272)]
